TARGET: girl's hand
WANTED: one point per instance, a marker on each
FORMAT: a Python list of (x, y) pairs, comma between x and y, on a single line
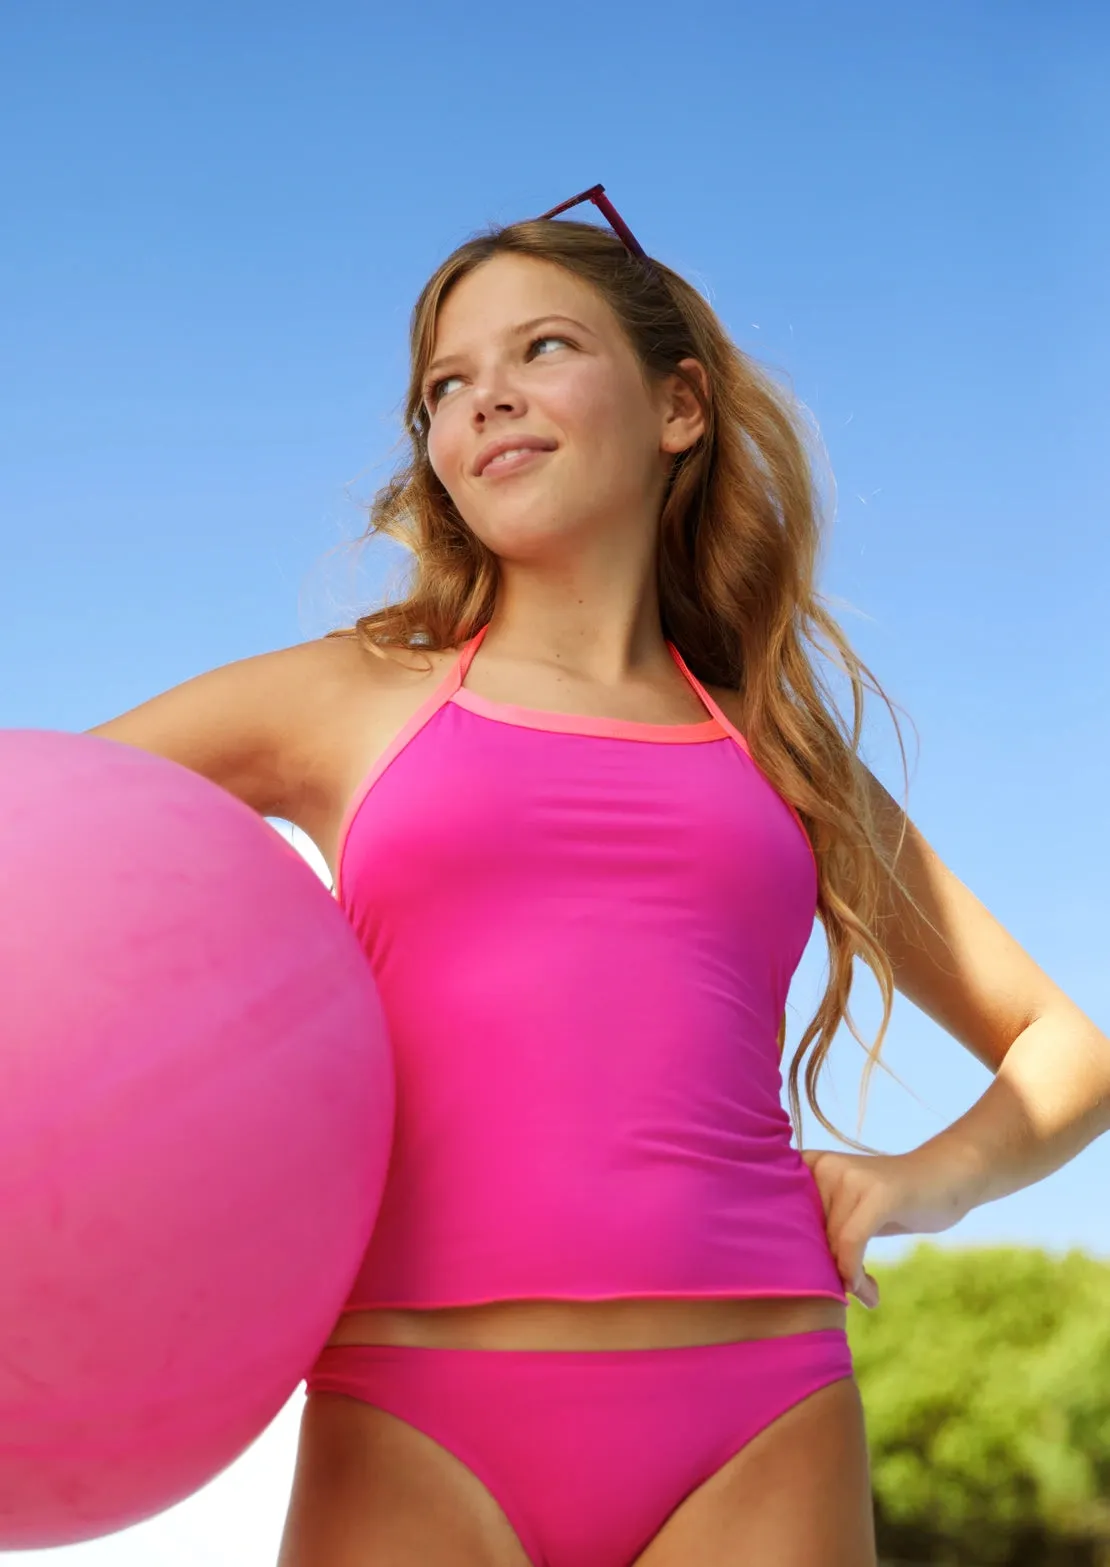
[(865, 1195)]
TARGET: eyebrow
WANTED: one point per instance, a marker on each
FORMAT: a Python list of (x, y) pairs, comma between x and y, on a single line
[(516, 331)]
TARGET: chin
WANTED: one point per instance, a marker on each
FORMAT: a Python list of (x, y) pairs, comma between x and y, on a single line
[(527, 529)]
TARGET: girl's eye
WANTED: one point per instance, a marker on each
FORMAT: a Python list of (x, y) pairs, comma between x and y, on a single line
[(435, 390), (536, 340)]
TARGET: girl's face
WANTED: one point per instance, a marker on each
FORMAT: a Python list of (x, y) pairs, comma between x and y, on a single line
[(529, 358)]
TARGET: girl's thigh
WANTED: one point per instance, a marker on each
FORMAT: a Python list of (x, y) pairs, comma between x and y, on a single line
[(798, 1495), (369, 1490)]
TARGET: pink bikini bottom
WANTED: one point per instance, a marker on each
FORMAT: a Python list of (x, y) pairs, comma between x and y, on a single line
[(588, 1452)]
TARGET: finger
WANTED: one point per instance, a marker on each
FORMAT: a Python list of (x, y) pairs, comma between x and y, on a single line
[(849, 1260), (810, 1154), (827, 1172), (849, 1220), (837, 1203), (843, 1200), (852, 1241), (868, 1292)]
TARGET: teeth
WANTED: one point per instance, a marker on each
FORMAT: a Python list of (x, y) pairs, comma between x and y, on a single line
[(504, 456)]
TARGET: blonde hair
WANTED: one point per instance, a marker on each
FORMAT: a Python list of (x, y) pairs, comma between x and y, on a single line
[(739, 535)]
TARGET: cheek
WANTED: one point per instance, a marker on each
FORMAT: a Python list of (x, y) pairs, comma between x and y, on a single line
[(445, 448), (592, 409)]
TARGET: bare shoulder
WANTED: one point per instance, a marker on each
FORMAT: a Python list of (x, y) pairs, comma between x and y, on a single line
[(357, 699), (345, 657), (389, 666), (263, 727)]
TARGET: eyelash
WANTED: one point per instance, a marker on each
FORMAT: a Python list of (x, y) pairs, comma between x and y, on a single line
[(433, 394)]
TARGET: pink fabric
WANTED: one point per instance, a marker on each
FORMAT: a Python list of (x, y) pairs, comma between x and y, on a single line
[(589, 1452), (583, 932)]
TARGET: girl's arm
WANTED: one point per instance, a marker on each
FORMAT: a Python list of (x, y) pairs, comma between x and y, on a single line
[(1051, 1092)]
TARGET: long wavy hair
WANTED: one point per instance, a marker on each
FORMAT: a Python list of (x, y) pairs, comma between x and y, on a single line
[(738, 545)]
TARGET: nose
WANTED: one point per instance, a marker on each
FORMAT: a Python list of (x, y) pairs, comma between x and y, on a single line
[(494, 394)]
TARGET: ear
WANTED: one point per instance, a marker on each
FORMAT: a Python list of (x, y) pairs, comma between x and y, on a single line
[(683, 419)]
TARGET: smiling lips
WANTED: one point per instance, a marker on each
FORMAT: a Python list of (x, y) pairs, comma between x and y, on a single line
[(508, 454)]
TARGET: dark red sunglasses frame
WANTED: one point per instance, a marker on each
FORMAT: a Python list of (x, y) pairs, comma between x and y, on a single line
[(596, 194)]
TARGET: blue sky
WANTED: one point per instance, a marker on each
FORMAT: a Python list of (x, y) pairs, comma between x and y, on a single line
[(217, 220)]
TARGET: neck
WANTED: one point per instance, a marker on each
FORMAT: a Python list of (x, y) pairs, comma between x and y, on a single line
[(606, 630)]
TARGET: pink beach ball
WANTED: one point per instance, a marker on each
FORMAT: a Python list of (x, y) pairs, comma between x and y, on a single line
[(196, 1106)]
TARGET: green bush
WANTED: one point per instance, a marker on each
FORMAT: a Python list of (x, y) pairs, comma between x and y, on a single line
[(985, 1376)]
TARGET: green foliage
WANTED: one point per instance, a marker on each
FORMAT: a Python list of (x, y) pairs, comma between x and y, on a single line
[(985, 1376)]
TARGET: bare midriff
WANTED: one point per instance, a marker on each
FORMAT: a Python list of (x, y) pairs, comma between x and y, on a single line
[(600, 1325)]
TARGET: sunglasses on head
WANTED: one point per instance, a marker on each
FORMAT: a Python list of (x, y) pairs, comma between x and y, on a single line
[(596, 194)]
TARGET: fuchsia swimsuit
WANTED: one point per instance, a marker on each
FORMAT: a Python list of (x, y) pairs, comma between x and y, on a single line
[(583, 932)]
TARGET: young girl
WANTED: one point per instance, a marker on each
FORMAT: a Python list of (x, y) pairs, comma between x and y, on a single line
[(583, 797)]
